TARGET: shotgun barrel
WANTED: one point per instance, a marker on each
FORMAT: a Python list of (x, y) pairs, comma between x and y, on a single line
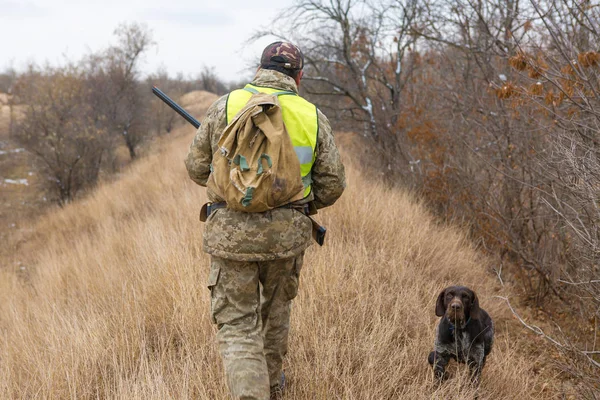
[(175, 107)]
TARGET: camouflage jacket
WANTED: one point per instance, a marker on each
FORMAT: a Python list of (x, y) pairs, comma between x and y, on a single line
[(275, 234)]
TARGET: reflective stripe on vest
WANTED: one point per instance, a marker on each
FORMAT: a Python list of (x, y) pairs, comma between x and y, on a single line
[(300, 119)]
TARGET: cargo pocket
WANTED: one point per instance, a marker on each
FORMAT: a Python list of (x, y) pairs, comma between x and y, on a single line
[(293, 281), (213, 278)]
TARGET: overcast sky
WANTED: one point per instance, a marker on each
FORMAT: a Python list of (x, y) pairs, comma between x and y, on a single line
[(189, 34)]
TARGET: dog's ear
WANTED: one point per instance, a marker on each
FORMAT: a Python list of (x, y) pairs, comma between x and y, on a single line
[(475, 311), (440, 308)]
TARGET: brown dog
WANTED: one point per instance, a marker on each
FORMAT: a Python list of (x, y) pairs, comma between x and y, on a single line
[(465, 332)]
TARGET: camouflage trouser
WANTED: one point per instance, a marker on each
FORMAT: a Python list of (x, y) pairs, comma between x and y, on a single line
[(251, 303)]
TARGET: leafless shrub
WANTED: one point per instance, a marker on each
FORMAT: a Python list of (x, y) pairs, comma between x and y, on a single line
[(360, 56), (490, 109), (532, 192), (573, 163), (113, 77), (7, 79), (209, 81), (57, 126), (162, 119)]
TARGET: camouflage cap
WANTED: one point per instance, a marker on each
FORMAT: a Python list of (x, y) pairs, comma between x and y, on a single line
[(282, 54)]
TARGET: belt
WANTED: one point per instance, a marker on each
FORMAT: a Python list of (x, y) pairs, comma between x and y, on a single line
[(212, 207), (308, 209)]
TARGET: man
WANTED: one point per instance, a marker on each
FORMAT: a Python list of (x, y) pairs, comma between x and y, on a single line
[(256, 258)]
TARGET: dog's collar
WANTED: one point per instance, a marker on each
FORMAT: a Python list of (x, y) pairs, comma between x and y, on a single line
[(453, 327)]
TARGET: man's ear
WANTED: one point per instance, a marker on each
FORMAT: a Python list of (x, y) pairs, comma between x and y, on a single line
[(299, 77), (475, 310), (440, 308)]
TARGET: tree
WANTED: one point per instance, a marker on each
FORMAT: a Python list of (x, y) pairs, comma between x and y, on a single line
[(525, 171), (163, 119), (209, 81), (7, 79), (560, 77), (359, 57), (57, 127), (114, 79), (490, 108)]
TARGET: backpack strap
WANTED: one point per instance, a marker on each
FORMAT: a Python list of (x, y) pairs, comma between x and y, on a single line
[(260, 169), (251, 90), (280, 93), (284, 92)]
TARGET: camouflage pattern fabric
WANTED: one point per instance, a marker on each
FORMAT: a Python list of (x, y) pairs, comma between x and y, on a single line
[(283, 54), (251, 237), (253, 324), (270, 235)]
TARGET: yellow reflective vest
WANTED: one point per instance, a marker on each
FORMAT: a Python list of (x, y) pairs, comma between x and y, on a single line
[(300, 119)]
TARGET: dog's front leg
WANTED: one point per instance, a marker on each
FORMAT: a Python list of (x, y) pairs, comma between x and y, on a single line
[(476, 363), (439, 362)]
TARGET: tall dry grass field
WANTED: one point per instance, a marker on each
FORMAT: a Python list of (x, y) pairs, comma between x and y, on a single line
[(113, 301)]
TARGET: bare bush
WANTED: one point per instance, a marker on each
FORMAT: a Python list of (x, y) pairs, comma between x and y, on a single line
[(7, 79), (490, 108), (162, 119), (116, 92), (57, 126), (525, 170), (80, 117), (359, 57), (565, 66), (209, 81)]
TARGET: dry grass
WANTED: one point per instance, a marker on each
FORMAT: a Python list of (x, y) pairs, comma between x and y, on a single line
[(113, 302), (197, 102), (4, 114)]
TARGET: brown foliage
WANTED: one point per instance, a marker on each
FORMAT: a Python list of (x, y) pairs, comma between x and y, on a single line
[(568, 70), (534, 72), (588, 59), (520, 61), (506, 91), (536, 89)]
